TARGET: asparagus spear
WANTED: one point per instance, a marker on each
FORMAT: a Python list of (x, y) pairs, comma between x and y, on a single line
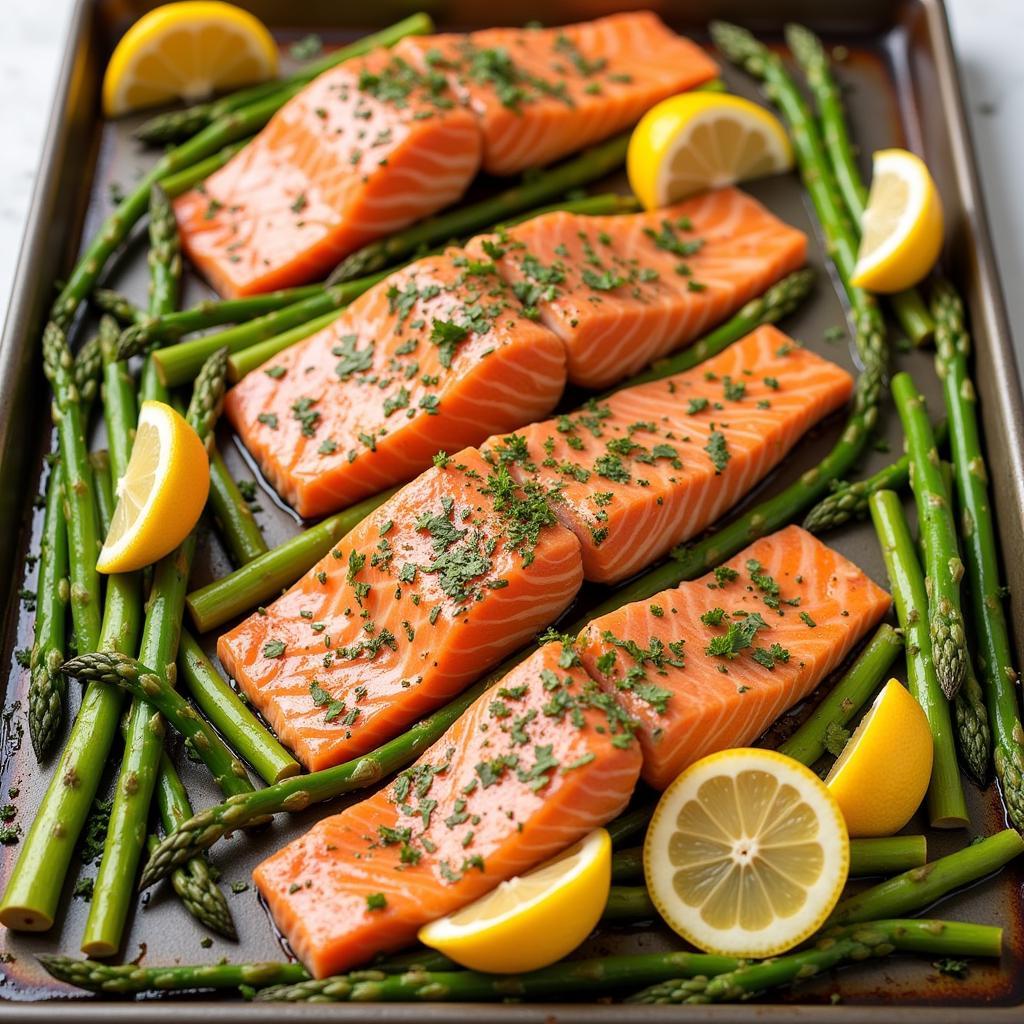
[(193, 883), (920, 887), (849, 501), (974, 737), (264, 577), (253, 357), (225, 710), (119, 306), (946, 805), (86, 371), (628, 865), (215, 136), (908, 305), (847, 697), (128, 979), (886, 855), (977, 533), (100, 462), (589, 166), (46, 684), (164, 256), (221, 600), (113, 889), (839, 946), (942, 562), (146, 330), (237, 526), (627, 904), (631, 823), (179, 182), (178, 124)]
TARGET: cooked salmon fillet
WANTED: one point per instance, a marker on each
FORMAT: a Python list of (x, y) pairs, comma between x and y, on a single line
[(655, 464), (366, 149), (532, 766), (437, 356), (622, 291), (711, 663), (453, 573), (541, 93)]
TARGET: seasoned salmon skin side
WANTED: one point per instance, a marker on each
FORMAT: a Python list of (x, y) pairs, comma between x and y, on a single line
[(622, 291), (366, 149), (712, 663), (436, 357), (452, 574), (535, 764), (653, 465), (542, 93)]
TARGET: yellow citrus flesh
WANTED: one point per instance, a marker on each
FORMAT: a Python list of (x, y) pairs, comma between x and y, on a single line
[(882, 775), (696, 141), (901, 231), (162, 493), (534, 920), (187, 51), (747, 853)]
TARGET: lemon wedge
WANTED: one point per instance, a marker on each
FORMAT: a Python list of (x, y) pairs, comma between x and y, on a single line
[(187, 51), (746, 854), (882, 775), (901, 230), (533, 920), (162, 493), (701, 140)]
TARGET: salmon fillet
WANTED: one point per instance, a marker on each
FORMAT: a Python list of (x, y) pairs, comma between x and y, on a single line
[(541, 93), (711, 663), (531, 767), (622, 291), (655, 464), (457, 570), (437, 356), (366, 149)]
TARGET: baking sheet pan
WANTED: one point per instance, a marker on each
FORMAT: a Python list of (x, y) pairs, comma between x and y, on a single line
[(902, 90)]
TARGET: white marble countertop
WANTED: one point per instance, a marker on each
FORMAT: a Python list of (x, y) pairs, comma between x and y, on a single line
[(986, 33)]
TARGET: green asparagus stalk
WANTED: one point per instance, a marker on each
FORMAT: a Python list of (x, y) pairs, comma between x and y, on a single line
[(131, 979), (264, 577), (178, 363), (80, 510), (164, 254), (942, 562), (253, 357), (46, 687), (225, 710), (100, 462), (236, 524), (628, 904), (628, 866), (147, 330), (237, 124), (113, 889), (87, 368), (908, 305), (886, 855), (149, 687), (631, 823), (781, 299), (977, 533), (175, 125), (920, 887), (193, 883), (119, 306), (849, 501), (974, 737), (839, 946), (946, 805), (847, 697), (545, 187)]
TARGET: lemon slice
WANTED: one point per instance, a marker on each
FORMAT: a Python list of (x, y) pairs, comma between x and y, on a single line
[(187, 51), (747, 853), (901, 231), (882, 775), (697, 140), (533, 920), (162, 493)]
